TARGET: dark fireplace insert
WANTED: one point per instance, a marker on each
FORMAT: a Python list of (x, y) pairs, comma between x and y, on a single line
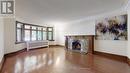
[(76, 45)]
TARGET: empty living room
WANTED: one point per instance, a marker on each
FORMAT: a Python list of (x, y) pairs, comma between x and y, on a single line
[(64, 36)]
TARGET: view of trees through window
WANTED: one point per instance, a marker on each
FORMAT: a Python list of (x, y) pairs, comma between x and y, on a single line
[(29, 32)]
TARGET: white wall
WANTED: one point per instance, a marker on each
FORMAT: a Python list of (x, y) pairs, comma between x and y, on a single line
[(10, 35), (128, 48), (1, 39), (86, 26), (59, 33), (81, 28), (109, 46)]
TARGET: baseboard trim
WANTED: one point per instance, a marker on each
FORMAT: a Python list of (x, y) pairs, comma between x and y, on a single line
[(112, 56), (2, 64), (56, 46), (25, 49), (60, 45), (128, 60), (15, 53)]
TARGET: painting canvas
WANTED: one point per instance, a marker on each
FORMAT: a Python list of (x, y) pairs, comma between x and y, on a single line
[(112, 28)]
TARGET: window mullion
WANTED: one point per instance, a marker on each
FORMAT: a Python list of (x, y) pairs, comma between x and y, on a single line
[(47, 34), (23, 33), (30, 33), (52, 34), (42, 34), (37, 33)]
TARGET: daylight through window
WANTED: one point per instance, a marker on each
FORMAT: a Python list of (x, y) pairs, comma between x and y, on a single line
[(28, 32)]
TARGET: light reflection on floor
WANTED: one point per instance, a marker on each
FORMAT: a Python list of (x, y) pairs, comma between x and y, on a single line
[(34, 62)]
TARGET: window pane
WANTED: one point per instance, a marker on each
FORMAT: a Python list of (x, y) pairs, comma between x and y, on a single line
[(50, 29), (44, 35), (27, 35), (50, 36), (44, 29), (19, 25), (27, 26), (39, 28), (19, 35), (39, 35), (34, 27), (33, 35)]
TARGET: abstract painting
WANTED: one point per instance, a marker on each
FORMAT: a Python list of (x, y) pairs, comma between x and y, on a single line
[(112, 28)]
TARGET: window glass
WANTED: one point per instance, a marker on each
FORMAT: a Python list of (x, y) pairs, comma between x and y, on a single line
[(34, 34), (39, 35), (19, 35), (44, 35), (50, 29), (50, 36), (39, 28), (19, 25), (27, 35), (27, 26), (34, 27), (44, 29)]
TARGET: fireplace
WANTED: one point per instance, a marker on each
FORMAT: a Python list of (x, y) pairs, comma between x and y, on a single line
[(82, 44)]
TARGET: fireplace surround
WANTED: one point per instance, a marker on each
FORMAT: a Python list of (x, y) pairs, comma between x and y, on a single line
[(80, 43)]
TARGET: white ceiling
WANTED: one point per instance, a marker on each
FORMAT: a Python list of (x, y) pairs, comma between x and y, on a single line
[(49, 11)]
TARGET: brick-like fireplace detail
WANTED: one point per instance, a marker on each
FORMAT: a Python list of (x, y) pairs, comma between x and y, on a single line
[(80, 43)]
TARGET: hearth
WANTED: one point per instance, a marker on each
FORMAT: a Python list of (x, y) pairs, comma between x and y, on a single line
[(82, 44)]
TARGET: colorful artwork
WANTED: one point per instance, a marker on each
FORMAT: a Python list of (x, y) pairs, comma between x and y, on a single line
[(113, 28)]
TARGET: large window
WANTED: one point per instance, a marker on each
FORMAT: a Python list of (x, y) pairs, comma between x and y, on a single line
[(49, 33), (44, 33), (34, 33), (28, 32), (19, 28), (39, 33)]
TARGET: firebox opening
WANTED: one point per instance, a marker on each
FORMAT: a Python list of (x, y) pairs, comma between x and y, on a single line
[(76, 45)]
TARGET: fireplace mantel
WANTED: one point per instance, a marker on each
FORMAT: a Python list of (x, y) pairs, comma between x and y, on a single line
[(89, 38), (79, 35)]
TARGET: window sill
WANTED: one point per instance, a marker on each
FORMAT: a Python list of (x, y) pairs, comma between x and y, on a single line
[(30, 41), (51, 40), (19, 42)]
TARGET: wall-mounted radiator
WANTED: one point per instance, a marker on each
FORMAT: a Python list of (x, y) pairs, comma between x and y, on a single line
[(37, 44)]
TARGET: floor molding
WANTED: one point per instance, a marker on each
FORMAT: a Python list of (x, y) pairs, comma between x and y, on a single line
[(56, 46), (112, 56), (15, 53), (2, 64), (128, 60), (60, 45), (25, 49)]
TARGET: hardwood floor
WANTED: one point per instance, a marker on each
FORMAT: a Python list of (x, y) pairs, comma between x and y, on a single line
[(57, 60)]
